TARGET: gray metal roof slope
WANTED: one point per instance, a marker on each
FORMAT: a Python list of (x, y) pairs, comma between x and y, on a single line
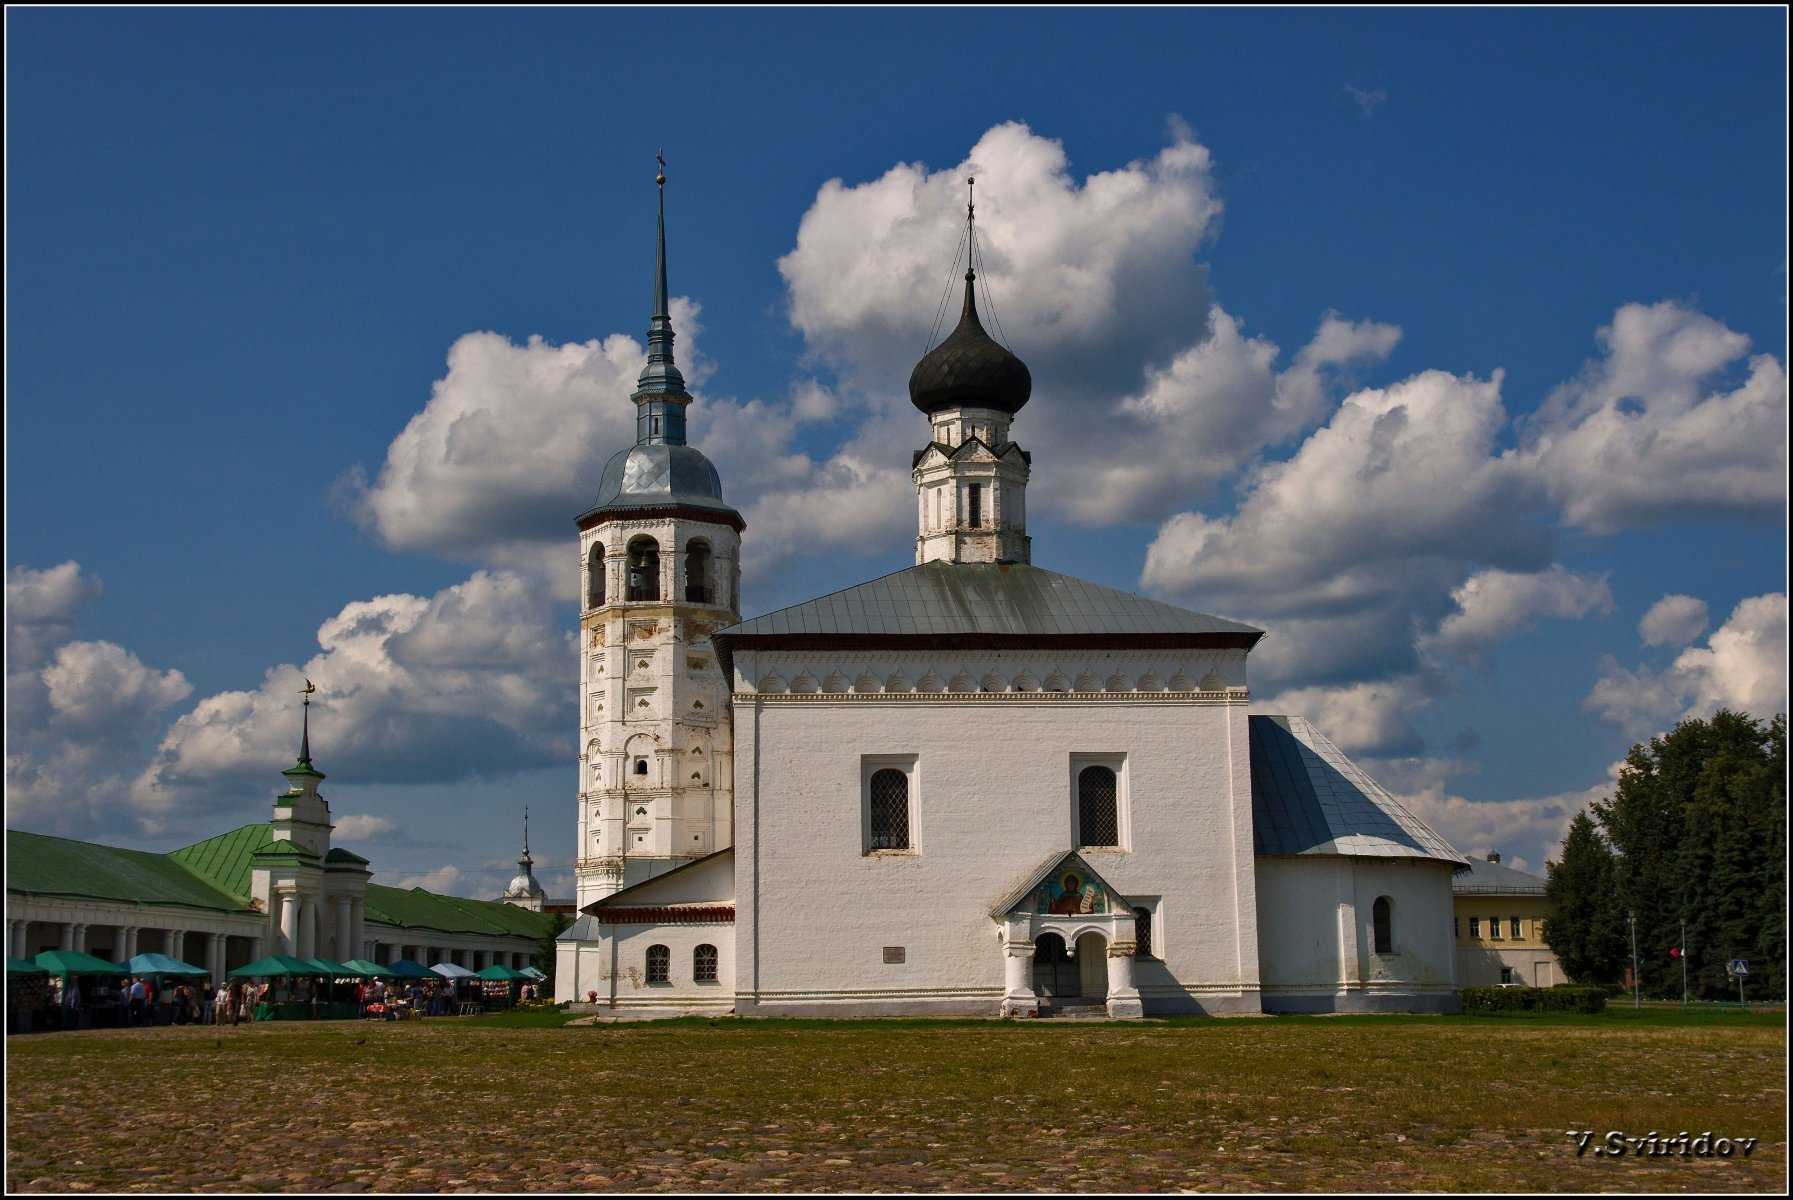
[(1491, 879), (1308, 798), (942, 599)]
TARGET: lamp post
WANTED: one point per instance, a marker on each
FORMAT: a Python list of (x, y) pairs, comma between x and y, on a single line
[(1632, 918)]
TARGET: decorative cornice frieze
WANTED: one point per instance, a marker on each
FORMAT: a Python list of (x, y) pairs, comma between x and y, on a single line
[(1239, 697)]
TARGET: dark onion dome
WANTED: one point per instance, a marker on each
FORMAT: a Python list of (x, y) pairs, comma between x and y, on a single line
[(970, 369)]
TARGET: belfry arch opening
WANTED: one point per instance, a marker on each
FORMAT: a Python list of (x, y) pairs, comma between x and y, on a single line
[(644, 569), (698, 588), (594, 576)]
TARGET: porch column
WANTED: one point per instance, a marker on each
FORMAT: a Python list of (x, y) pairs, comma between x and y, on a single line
[(81, 938), (289, 923), (357, 926), (1018, 998), (1123, 997), (68, 935), (308, 926), (16, 938), (345, 931), (130, 942)]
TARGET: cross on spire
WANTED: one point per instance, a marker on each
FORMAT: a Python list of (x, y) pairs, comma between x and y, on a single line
[(970, 228)]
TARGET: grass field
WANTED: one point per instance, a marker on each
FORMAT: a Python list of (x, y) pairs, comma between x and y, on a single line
[(1349, 1103)]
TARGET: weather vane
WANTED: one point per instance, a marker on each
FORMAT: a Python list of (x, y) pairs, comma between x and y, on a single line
[(306, 691), (660, 157)]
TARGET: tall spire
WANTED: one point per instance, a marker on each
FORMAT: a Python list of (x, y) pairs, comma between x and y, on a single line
[(660, 307), (525, 861), (305, 736), (660, 396)]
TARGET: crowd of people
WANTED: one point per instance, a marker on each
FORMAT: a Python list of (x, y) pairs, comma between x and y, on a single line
[(76, 1001)]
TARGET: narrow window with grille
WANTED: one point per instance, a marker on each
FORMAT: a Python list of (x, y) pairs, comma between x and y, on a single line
[(1098, 808), (974, 496), (889, 810), (1142, 932), (659, 964), (703, 964), (1383, 926)]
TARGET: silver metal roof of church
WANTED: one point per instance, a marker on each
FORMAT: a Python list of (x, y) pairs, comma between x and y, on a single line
[(1492, 879), (986, 600), (1308, 798)]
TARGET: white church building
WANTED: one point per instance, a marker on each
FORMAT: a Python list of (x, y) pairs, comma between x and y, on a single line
[(973, 786)]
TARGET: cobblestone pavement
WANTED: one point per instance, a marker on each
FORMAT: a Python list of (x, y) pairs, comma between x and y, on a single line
[(729, 1105)]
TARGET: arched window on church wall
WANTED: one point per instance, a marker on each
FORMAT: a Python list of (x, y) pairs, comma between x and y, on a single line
[(703, 964), (594, 576), (643, 569), (697, 572), (1098, 815), (659, 964), (889, 810), (1382, 919)]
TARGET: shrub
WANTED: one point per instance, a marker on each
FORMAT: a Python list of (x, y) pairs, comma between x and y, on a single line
[(1493, 1001)]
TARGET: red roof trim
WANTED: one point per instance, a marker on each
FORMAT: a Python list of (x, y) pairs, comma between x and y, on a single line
[(663, 914)]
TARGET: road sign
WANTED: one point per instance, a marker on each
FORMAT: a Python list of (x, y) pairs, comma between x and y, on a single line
[(1739, 966)]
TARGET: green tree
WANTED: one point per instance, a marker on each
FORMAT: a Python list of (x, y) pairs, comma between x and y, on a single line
[(545, 953), (1585, 927), (1697, 826)]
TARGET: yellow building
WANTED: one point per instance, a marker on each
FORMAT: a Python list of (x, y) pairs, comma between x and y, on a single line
[(1498, 924)]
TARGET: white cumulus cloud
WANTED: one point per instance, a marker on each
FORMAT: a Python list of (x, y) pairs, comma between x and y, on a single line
[(476, 679), (1648, 431), (1742, 667), (1674, 620), (79, 714), (1493, 605)]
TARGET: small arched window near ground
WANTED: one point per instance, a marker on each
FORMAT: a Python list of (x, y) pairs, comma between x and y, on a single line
[(697, 571), (1142, 932), (1098, 818), (889, 810), (594, 576), (703, 964), (659, 964), (643, 569), (1382, 918)]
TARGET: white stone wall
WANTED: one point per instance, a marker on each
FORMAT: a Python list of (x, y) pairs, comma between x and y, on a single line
[(615, 967), (992, 799), (1317, 941)]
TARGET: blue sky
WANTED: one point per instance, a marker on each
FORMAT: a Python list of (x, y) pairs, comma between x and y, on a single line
[(241, 245)]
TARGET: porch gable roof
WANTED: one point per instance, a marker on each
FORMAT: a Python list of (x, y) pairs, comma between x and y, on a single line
[(1057, 862)]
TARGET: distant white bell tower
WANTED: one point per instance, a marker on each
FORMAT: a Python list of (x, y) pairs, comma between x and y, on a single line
[(659, 570)]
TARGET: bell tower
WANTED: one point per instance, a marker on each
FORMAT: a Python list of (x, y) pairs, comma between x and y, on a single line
[(971, 478), (659, 570)]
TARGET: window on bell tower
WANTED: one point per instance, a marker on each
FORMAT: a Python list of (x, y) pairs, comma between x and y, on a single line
[(974, 505)]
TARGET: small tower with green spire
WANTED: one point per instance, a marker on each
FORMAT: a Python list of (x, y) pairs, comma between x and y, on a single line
[(301, 814)]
